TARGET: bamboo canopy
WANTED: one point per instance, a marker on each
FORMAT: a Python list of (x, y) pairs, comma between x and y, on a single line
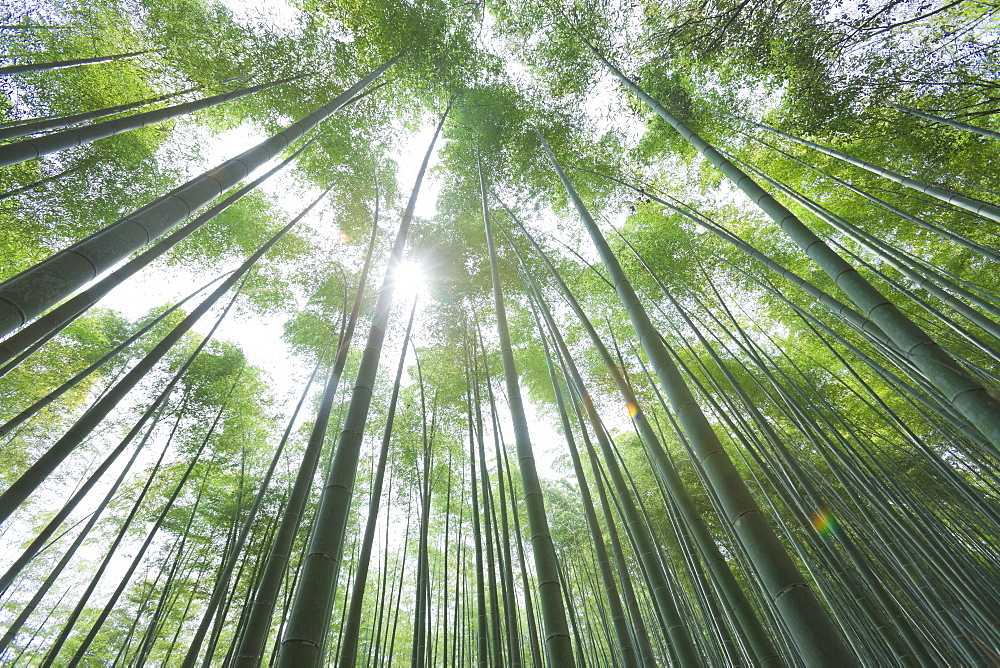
[(551, 334)]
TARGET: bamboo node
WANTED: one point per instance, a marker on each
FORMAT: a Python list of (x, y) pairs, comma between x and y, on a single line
[(790, 587)]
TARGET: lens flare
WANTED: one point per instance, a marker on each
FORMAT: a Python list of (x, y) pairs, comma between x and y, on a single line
[(633, 411), (823, 522)]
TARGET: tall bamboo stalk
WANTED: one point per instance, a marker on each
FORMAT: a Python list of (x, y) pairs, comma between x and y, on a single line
[(255, 631), (348, 654), (947, 121), (36, 474), (757, 639), (25, 339), (978, 207), (815, 635), (29, 293), (625, 647), (304, 640), (73, 62), (557, 641), (482, 620), (35, 125), (965, 392), (36, 147), (222, 579)]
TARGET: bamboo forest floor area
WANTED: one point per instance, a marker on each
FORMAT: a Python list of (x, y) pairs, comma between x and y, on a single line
[(445, 332)]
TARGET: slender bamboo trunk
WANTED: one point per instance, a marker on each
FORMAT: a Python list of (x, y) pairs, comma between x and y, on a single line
[(149, 637), (989, 253), (386, 588), (35, 125), (482, 620), (32, 291), (639, 631), (757, 639), (978, 207), (894, 258), (571, 612), (36, 545), (963, 391), (399, 593), (19, 491), (496, 651), (36, 147), (443, 611), (58, 318), (418, 650), (905, 652), (74, 62), (255, 632), (510, 601), (838, 308), (30, 411), (557, 641), (348, 654), (870, 493), (947, 121), (53, 651), (126, 647), (816, 636), (529, 606), (304, 640), (69, 553), (113, 598), (42, 181), (224, 576), (624, 644)]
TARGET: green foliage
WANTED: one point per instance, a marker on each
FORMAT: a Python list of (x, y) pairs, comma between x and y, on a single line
[(893, 468)]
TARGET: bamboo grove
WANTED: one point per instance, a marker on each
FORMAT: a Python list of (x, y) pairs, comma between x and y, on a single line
[(564, 333)]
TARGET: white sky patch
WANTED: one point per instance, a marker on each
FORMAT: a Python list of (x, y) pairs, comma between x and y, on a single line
[(276, 13), (408, 157)]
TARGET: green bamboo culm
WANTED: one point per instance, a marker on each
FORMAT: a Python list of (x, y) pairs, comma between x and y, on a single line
[(35, 125), (559, 648), (258, 618), (931, 226), (22, 342), (46, 585), (74, 62), (225, 572), (658, 580), (482, 620), (304, 640), (29, 293), (627, 653), (23, 487), (947, 121), (348, 654), (759, 645), (815, 635), (35, 147), (978, 207), (964, 392), (489, 526), (28, 412)]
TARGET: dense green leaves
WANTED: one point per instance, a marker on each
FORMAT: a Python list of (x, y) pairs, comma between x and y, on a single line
[(883, 496)]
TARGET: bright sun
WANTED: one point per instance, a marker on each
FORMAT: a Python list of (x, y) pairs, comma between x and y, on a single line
[(410, 278)]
